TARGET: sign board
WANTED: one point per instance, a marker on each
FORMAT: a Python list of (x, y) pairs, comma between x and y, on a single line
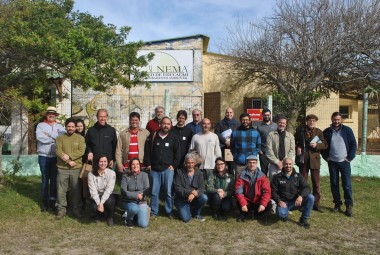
[(255, 114), (169, 65)]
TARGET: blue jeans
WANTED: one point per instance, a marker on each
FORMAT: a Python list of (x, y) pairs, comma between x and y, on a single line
[(344, 168), (48, 167), (187, 209), (307, 204), (141, 210), (164, 179)]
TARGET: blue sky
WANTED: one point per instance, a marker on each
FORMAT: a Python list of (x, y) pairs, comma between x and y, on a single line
[(156, 19)]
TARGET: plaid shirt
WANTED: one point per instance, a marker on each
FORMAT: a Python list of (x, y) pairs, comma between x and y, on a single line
[(244, 142)]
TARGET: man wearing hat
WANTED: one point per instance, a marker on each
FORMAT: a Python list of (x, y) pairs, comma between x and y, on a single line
[(46, 133), (309, 143), (252, 190)]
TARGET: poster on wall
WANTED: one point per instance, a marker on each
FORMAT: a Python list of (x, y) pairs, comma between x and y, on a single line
[(169, 65)]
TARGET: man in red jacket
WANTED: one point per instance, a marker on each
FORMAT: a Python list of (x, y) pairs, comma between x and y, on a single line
[(252, 190)]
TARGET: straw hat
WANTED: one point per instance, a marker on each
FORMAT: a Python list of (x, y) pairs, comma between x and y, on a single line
[(52, 109)]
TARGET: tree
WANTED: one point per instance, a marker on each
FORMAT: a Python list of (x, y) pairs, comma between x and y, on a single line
[(40, 38), (304, 50)]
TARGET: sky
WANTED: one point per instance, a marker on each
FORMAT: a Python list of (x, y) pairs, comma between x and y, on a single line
[(157, 19)]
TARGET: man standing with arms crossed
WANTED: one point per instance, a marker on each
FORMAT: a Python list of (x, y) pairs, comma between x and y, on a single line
[(341, 151)]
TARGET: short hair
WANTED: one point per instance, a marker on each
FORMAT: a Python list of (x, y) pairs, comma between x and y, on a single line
[(134, 114), (243, 115), (69, 120), (266, 110), (158, 108), (287, 158), (282, 117), (197, 110), (336, 114), (166, 117), (192, 156), (183, 113), (101, 110), (311, 117)]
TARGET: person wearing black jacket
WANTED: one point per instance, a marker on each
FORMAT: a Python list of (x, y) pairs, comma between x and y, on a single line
[(162, 155), (101, 139), (290, 191), (189, 187), (184, 134)]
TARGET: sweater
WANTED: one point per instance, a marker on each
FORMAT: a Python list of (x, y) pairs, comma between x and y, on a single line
[(348, 138), (72, 145), (46, 136), (132, 185), (207, 146), (101, 186)]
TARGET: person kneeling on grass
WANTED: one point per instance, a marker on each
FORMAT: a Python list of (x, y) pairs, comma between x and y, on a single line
[(189, 188), (290, 191), (134, 188), (101, 182), (252, 190), (220, 188)]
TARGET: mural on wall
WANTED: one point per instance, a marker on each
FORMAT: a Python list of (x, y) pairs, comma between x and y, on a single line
[(120, 102)]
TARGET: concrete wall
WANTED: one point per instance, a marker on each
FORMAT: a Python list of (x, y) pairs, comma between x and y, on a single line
[(361, 165)]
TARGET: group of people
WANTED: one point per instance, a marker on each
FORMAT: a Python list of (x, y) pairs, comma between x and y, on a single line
[(191, 165)]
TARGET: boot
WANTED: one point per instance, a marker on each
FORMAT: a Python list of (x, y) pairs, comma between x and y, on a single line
[(348, 211), (44, 206)]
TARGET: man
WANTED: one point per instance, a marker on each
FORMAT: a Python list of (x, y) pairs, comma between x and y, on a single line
[(46, 134), (309, 142), (252, 190), (101, 139), (196, 125), (280, 145), (290, 191), (245, 141), (223, 130), (184, 134), (342, 148), (266, 126), (161, 156), (130, 143), (69, 151), (154, 124), (206, 144)]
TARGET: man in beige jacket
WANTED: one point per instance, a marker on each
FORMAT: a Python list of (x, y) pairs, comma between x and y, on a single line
[(130, 143), (280, 145)]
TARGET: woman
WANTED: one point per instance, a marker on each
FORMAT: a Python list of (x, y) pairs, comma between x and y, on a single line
[(80, 127), (101, 183), (220, 188), (134, 188), (189, 188)]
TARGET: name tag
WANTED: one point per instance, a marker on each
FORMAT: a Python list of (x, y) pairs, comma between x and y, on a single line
[(184, 138), (167, 144), (157, 143)]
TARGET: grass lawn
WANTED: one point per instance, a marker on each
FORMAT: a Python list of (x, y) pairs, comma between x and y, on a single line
[(25, 230)]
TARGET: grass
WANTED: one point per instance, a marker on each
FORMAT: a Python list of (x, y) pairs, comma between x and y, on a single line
[(25, 230)]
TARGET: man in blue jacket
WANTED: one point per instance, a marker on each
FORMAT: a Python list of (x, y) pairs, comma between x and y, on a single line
[(341, 151)]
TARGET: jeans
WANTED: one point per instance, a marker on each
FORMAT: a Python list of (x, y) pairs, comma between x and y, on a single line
[(220, 205), (48, 167), (141, 210), (187, 209), (164, 179), (109, 207), (344, 168), (307, 204), (68, 181)]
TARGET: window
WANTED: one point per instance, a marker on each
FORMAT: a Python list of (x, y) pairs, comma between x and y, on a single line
[(252, 103), (345, 112)]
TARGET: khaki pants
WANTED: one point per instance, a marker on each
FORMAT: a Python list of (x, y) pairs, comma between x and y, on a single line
[(68, 181)]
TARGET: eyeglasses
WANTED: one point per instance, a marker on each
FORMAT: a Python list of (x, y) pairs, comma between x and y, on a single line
[(196, 114), (220, 164)]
